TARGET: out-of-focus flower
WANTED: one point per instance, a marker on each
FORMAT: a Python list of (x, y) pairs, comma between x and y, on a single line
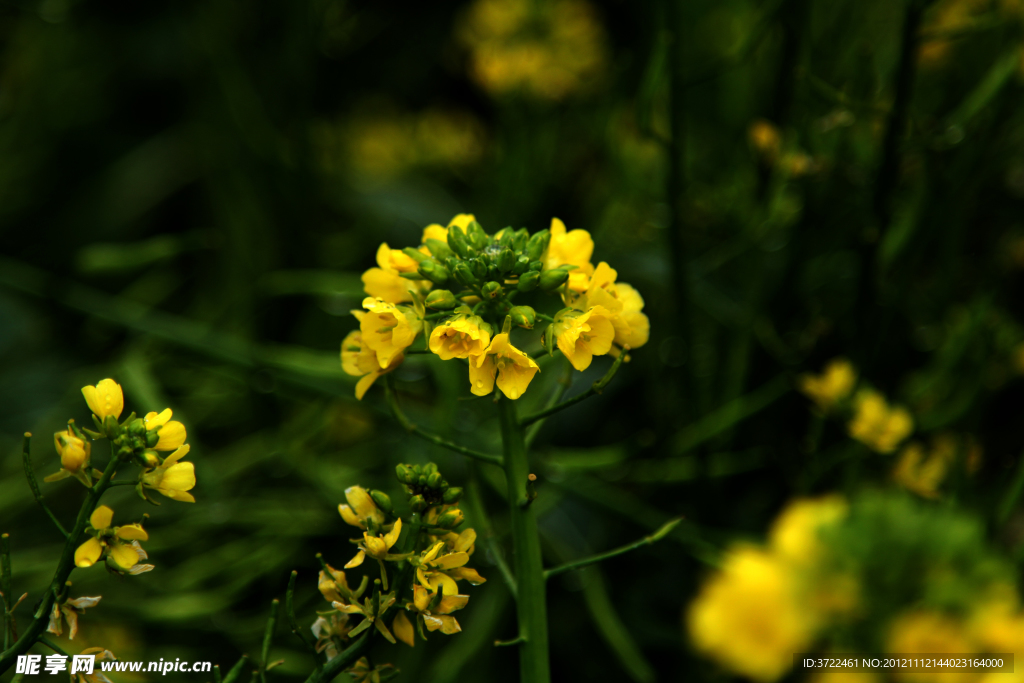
[(877, 424), (922, 472), (947, 17), (546, 51), (97, 675), (830, 387), (359, 360), (330, 632), (362, 672), (934, 633), (748, 616), (765, 139), (796, 533)]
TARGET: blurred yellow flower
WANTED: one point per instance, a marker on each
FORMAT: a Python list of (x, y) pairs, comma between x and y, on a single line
[(934, 633), (581, 335), (106, 398), (830, 387), (460, 336), (384, 282), (388, 329), (765, 138), (543, 50), (171, 432), (796, 533), (115, 541), (514, 369), (360, 360), (748, 616), (877, 424), (172, 478)]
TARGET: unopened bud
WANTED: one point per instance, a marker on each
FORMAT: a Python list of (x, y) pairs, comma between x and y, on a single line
[(440, 299), (434, 480), (418, 503), (479, 268), (434, 271), (520, 239), (382, 500), (528, 281), (463, 275), (550, 280), (523, 316), (152, 438), (537, 244), (458, 242), (404, 473), (476, 236), (415, 254), (451, 519), (452, 496), (506, 260), (438, 249), (549, 339), (150, 458), (74, 452), (491, 290), (522, 265)]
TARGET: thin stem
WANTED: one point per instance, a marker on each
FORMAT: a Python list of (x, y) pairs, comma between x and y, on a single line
[(476, 505), (596, 388), (1012, 494), (661, 533), (432, 438), (268, 638), (64, 568), (52, 645), (34, 485), (531, 604), (293, 623), (5, 587), (236, 670), (345, 659), (563, 386)]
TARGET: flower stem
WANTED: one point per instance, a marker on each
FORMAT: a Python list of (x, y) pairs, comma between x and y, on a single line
[(34, 485), (593, 559), (531, 604)]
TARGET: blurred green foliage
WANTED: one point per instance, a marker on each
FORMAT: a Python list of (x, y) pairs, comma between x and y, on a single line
[(189, 191)]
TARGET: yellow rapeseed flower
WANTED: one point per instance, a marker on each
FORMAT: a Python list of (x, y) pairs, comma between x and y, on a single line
[(172, 478), (106, 398), (878, 425), (434, 609), (385, 283), (74, 454), (460, 336), (748, 617), (514, 369), (573, 248), (379, 548), (115, 541), (796, 533), (432, 568), (831, 386), (932, 632), (623, 302), (581, 335), (462, 543), (359, 360), (388, 329), (171, 432), (361, 511)]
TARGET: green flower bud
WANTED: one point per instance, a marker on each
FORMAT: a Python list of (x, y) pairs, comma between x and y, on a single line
[(404, 474), (492, 290), (415, 254), (434, 480), (383, 501), (476, 236), (505, 238), (418, 503), (152, 438), (522, 265), (458, 242), (523, 316), (494, 274), (451, 519), (520, 239), (434, 271), (479, 268), (506, 260), (537, 266), (422, 480), (441, 299), (452, 495), (463, 275), (549, 339), (538, 244), (528, 281), (438, 249), (430, 468), (550, 280)]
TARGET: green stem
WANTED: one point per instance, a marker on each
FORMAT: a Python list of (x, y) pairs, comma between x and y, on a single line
[(344, 660), (268, 638), (531, 602), (65, 565), (293, 623), (432, 438), (5, 587), (593, 559), (596, 388), (33, 484), (563, 386), (1012, 494), (236, 671)]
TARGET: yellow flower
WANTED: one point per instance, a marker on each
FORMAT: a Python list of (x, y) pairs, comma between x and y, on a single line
[(461, 336), (104, 399), (765, 138), (362, 672), (379, 548), (434, 609), (388, 329), (582, 335), (334, 586), (831, 386), (172, 478), (623, 302), (373, 615), (116, 541), (878, 425), (796, 533), (385, 283), (70, 609), (361, 511), (432, 568), (462, 543), (931, 632), (514, 369), (748, 618), (171, 432), (97, 676), (570, 248), (360, 360), (436, 232), (74, 454), (330, 633)]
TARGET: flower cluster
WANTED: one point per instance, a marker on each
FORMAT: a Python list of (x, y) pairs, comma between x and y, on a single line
[(872, 420), (880, 566), (922, 471), (468, 280), (424, 558)]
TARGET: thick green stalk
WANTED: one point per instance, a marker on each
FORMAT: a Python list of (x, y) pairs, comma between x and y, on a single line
[(531, 604)]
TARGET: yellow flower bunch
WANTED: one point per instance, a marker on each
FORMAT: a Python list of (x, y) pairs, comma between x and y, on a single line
[(546, 51), (467, 280), (832, 386), (119, 544), (877, 424)]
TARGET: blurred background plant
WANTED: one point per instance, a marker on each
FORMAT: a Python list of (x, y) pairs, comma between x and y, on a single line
[(189, 192)]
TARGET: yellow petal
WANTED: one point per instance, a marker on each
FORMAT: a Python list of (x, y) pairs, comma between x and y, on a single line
[(172, 435), (179, 477), (468, 574), (375, 547), (392, 536), (481, 375), (449, 625), (124, 555), (442, 582), (57, 476), (350, 517), (176, 456), (105, 398), (132, 532), (87, 553), (451, 561), (154, 420), (101, 517), (403, 629), (364, 384), (356, 561), (450, 603), (433, 623)]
